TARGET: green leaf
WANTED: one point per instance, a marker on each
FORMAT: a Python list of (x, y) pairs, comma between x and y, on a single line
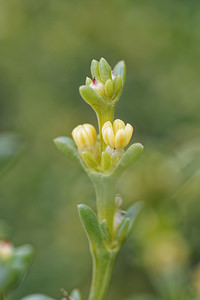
[(90, 159), (106, 161), (120, 69), (10, 146), (8, 277), (94, 68), (88, 81), (37, 297), (67, 146), (132, 213), (117, 86), (22, 257), (108, 88), (105, 231), (104, 70), (91, 225), (91, 97), (143, 297), (75, 295), (13, 270), (131, 155), (122, 231)]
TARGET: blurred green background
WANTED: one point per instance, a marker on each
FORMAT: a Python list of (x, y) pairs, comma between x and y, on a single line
[(46, 47)]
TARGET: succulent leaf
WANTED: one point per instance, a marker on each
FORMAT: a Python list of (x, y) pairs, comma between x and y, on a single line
[(131, 155), (120, 69), (91, 97), (91, 225), (67, 146), (104, 70)]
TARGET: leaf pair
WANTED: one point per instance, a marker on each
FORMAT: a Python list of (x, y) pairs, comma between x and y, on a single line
[(127, 223), (99, 233), (130, 156)]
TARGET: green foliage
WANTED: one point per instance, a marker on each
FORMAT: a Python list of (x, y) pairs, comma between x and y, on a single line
[(37, 297), (120, 70), (91, 225), (12, 270), (131, 155), (67, 146), (10, 147), (92, 97)]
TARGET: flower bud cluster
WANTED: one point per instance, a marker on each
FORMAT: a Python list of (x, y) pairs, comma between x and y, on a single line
[(104, 81), (116, 137), (102, 152)]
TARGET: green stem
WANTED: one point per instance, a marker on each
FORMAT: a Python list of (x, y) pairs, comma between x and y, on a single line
[(103, 263), (105, 196), (103, 116)]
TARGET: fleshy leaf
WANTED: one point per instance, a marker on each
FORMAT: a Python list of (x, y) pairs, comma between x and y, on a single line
[(122, 231), (22, 257), (94, 68), (37, 297), (120, 69), (12, 271), (10, 146), (91, 97), (131, 155), (117, 85), (90, 160), (75, 295), (108, 88), (106, 161), (104, 70), (132, 213), (91, 225), (67, 146), (105, 231), (88, 81)]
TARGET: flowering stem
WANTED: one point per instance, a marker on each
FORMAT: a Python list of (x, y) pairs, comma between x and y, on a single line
[(103, 258), (103, 262), (103, 116), (105, 196)]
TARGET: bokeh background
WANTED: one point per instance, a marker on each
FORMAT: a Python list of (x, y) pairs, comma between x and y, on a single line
[(46, 47)]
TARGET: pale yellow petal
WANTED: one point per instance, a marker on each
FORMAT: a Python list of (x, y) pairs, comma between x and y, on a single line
[(83, 139), (74, 134), (108, 136), (120, 139), (91, 132), (106, 125), (129, 132), (118, 124)]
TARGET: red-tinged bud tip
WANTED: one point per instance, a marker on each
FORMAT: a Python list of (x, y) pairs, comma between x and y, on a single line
[(94, 80), (6, 242)]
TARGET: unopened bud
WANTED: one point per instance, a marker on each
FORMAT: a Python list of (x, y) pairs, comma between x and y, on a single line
[(6, 250), (84, 136), (117, 136), (97, 86)]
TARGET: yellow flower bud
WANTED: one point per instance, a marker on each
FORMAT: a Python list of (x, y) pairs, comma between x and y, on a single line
[(84, 136), (118, 135), (6, 250)]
